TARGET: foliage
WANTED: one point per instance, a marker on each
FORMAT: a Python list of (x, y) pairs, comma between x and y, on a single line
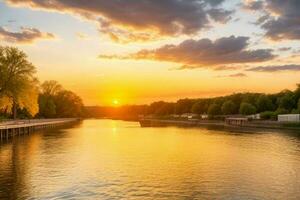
[(264, 103), (214, 109), (228, 108), (54, 101), (68, 104), (200, 107), (18, 84), (247, 109), (286, 102), (183, 106), (19, 90), (268, 115)]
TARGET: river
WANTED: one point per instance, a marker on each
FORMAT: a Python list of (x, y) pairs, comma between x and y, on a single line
[(106, 159)]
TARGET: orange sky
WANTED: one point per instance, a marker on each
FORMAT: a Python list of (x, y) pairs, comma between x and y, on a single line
[(102, 53)]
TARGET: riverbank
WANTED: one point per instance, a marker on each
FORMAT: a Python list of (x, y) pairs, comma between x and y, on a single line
[(257, 124), (10, 128)]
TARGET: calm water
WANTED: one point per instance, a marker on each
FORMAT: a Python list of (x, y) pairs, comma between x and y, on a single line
[(104, 159)]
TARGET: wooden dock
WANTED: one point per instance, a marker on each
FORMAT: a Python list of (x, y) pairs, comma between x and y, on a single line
[(9, 129)]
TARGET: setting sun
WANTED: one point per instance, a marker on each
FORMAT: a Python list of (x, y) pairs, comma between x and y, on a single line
[(115, 102)]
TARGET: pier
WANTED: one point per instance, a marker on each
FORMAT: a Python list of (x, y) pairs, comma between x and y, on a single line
[(11, 128)]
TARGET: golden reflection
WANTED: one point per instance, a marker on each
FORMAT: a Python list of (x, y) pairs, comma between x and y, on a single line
[(105, 158)]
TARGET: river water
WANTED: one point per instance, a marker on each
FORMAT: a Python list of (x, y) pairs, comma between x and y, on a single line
[(106, 159)]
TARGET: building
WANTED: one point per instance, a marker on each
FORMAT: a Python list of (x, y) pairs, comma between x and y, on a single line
[(255, 116), (204, 116), (236, 121), (289, 118), (189, 115)]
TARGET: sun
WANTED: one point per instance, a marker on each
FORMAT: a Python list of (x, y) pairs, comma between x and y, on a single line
[(116, 102)]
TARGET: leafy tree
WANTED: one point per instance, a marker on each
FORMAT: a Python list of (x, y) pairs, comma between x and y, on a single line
[(286, 102), (247, 109), (51, 88), (68, 104), (228, 108), (183, 106), (199, 107), (297, 92), (155, 106), (47, 107), (214, 109), (18, 82), (264, 103), (165, 109)]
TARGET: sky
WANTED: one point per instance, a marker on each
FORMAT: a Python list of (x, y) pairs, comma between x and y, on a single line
[(140, 51)]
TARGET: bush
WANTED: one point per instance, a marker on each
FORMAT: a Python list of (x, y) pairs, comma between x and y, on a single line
[(281, 111), (295, 111)]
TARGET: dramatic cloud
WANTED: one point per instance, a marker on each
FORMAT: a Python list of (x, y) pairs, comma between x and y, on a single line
[(253, 5), (281, 19), (220, 15), (214, 2), (119, 18), (203, 53), (26, 35), (275, 68)]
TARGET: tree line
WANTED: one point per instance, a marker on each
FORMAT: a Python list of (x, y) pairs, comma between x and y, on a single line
[(22, 95), (268, 105)]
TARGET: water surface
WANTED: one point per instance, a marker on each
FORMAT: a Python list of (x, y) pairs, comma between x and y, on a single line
[(105, 159)]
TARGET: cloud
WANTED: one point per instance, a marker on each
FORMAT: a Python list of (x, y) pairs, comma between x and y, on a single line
[(236, 75), (203, 53), (253, 5), (275, 68), (214, 2), (26, 35), (285, 49), (281, 20), (220, 15), (121, 19)]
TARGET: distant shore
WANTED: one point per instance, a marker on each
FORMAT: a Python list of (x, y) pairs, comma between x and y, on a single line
[(219, 123)]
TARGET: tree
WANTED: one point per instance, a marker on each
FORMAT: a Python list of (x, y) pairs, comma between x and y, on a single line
[(17, 80), (228, 108), (214, 109), (51, 88), (200, 107), (47, 107), (264, 103), (165, 109), (183, 106), (247, 109), (68, 104), (286, 102), (297, 92)]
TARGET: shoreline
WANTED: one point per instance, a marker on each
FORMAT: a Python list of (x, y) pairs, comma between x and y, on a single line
[(272, 125)]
